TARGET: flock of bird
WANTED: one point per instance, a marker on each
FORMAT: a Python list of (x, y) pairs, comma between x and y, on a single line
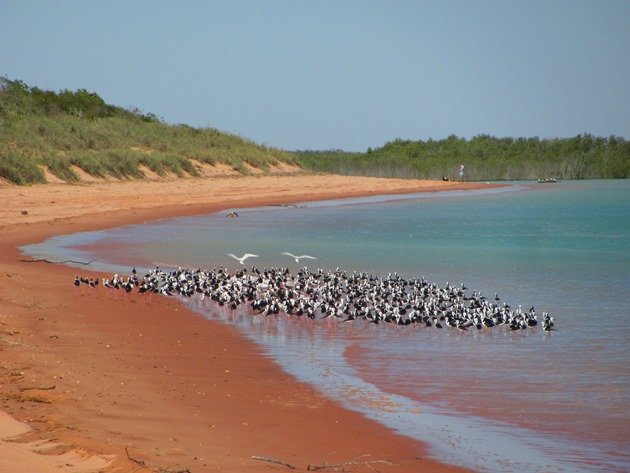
[(332, 295)]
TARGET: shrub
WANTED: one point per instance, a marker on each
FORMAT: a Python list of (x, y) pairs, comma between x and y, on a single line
[(60, 167), (19, 169), (88, 162), (122, 164)]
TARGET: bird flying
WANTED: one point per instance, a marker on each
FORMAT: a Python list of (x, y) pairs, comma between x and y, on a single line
[(242, 258), (298, 258)]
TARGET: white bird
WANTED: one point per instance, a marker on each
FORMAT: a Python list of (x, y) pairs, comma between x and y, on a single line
[(298, 258), (242, 258)]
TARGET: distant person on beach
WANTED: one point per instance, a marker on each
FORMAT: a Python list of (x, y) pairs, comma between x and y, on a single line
[(461, 173)]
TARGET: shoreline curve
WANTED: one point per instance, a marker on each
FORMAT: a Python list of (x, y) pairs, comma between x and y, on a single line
[(138, 383)]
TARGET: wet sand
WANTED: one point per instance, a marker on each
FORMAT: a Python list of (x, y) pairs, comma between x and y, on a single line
[(134, 385)]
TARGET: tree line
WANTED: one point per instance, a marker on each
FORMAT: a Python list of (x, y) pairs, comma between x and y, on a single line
[(485, 158), (67, 130)]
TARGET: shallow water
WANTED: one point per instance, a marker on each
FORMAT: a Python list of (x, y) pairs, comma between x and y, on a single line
[(493, 400)]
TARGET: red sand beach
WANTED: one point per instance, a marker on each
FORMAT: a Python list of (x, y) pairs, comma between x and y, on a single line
[(89, 383)]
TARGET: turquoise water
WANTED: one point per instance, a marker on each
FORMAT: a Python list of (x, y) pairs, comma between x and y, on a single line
[(493, 400)]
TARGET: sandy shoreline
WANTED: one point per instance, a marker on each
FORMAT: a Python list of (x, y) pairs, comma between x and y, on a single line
[(92, 376)]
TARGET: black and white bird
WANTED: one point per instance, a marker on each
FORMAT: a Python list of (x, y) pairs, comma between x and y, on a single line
[(332, 295)]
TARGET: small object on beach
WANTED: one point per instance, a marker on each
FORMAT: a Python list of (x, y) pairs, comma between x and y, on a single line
[(24, 212), (232, 215), (242, 258), (297, 258)]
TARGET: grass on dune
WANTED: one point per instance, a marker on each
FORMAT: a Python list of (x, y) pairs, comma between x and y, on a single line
[(60, 130)]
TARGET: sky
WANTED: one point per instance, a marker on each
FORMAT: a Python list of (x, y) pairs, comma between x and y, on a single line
[(342, 74)]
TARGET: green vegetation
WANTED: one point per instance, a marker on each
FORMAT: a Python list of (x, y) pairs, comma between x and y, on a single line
[(64, 129), (485, 158), (67, 130)]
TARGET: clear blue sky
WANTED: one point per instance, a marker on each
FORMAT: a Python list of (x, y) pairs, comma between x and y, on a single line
[(337, 74)]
